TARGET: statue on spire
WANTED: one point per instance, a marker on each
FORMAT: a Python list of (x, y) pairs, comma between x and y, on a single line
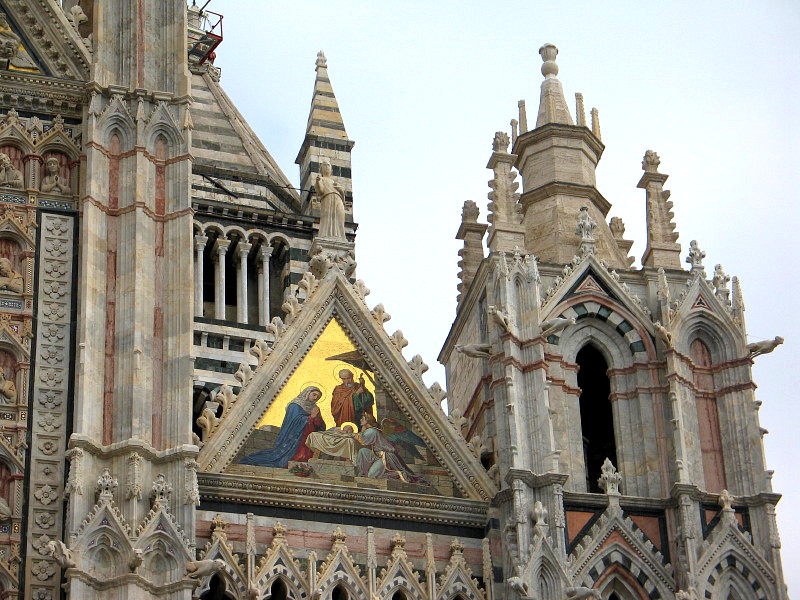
[(331, 200)]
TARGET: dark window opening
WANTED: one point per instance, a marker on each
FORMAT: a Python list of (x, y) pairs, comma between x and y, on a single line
[(339, 593), (216, 590), (398, 595), (597, 419), (278, 591)]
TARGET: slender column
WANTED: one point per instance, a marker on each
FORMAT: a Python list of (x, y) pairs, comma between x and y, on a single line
[(199, 246), (241, 300), (263, 285), (221, 247)]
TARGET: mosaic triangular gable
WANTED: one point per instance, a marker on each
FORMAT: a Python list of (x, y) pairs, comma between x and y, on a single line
[(333, 422)]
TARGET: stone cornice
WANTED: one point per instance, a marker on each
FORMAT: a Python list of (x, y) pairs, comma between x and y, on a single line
[(127, 446), (556, 130), (564, 188), (317, 496)]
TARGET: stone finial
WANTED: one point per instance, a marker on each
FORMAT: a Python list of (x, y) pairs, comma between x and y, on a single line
[(338, 536), (500, 142), (523, 117), (720, 282), (469, 212), (278, 530), (585, 229), (322, 62), (596, 124), (161, 490), (398, 543), (106, 484), (539, 513), (456, 547), (514, 130), (580, 111), (586, 225), (609, 478), (549, 52), (726, 501), (617, 227), (695, 258), (650, 162), (218, 525)]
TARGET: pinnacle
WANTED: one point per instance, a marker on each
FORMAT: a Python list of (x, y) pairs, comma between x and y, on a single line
[(552, 105)]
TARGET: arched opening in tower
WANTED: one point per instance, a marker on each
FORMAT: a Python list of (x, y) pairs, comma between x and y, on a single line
[(597, 419)]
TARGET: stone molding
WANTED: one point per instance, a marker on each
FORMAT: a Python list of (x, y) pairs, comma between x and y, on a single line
[(50, 397), (236, 488)]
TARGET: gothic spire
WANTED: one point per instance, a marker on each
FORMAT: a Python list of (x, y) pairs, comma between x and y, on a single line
[(326, 137)]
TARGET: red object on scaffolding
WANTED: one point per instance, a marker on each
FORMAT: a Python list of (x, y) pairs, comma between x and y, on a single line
[(204, 48)]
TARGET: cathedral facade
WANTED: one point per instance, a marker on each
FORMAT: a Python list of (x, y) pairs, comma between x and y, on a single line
[(199, 400)]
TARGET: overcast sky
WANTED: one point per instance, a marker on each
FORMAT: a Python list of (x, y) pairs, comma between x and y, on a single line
[(422, 86)]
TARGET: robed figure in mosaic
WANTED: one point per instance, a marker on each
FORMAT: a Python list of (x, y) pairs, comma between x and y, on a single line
[(302, 418)]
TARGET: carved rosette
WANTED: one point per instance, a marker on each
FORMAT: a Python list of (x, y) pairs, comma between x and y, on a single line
[(49, 415)]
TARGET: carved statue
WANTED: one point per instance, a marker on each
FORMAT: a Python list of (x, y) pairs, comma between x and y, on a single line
[(199, 569), (765, 347), (552, 326), (5, 510), (53, 181), (63, 555), (9, 279), (8, 391), (475, 350), (581, 593), (331, 195), (10, 176)]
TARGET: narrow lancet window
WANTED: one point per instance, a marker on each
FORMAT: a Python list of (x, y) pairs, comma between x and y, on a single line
[(707, 418), (597, 419)]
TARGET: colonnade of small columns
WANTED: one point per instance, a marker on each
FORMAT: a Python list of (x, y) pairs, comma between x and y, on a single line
[(234, 239)]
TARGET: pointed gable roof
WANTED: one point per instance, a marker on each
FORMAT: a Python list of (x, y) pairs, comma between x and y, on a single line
[(223, 141), (335, 297)]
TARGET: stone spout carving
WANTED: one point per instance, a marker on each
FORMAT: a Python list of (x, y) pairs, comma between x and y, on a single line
[(199, 569), (553, 326), (59, 551), (331, 195), (10, 176), (765, 347), (582, 593), (53, 181), (9, 279), (475, 350)]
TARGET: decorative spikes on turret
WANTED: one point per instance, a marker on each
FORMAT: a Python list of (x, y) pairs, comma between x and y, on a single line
[(737, 302), (505, 217), (471, 232), (662, 249)]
